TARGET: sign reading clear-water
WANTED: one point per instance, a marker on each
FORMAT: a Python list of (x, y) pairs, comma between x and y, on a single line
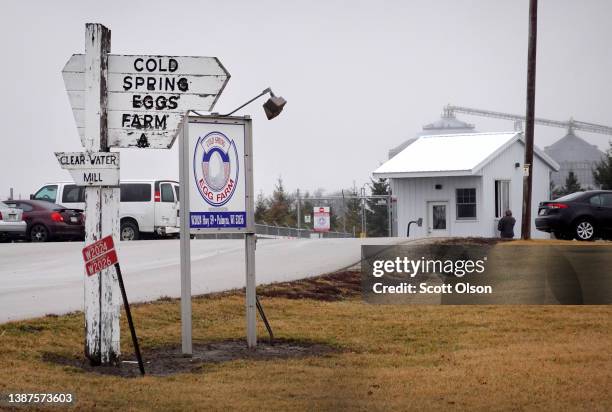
[(91, 168), (219, 187), (99, 255), (321, 219)]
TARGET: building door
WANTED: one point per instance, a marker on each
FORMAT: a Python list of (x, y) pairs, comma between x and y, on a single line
[(437, 219)]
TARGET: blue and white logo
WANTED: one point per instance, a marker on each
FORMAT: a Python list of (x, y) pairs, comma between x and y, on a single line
[(215, 167)]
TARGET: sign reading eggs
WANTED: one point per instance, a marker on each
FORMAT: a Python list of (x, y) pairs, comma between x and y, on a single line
[(218, 184)]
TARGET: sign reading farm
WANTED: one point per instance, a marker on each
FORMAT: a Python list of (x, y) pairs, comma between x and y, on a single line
[(148, 95)]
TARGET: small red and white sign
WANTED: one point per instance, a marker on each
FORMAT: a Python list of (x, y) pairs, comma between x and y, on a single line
[(321, 219), (99, 255)]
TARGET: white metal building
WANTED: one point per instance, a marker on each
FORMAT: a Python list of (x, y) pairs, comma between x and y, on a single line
[(461, 184)]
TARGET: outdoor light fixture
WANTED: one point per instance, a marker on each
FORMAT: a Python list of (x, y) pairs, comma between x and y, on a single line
[(273, 107)]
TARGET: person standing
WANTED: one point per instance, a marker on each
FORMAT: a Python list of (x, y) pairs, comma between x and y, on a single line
[(506, 225)]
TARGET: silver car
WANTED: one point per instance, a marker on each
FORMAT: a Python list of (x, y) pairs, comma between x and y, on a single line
[(11, 224)]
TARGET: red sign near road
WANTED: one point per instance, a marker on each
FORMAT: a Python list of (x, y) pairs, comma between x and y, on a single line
[(101, 262), (99, 255)]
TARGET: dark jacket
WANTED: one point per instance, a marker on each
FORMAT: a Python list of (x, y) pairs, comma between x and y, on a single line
[(506, 227)]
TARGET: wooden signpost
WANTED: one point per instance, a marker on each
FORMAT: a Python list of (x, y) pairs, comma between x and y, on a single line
[(99, 256), (123, 101)]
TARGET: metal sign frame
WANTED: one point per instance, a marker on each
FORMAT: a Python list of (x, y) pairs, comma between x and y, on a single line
[(245, 172), (185, 167), (326, 211)]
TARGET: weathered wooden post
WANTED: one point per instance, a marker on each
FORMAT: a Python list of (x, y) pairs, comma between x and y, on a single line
[(102, 305), (135, 101)]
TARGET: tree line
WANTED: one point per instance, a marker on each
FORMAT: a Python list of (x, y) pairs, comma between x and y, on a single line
[(346, 209)]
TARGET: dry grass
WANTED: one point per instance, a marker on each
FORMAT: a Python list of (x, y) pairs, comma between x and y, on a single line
[(391, 357)]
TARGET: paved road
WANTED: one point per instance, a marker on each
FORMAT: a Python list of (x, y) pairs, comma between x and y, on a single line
[(38, 279)]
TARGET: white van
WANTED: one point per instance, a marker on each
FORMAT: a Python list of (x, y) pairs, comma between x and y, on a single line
[(147, 206)]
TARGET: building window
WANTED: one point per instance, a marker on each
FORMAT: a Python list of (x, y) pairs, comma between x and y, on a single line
[(466, 203), (502, 197)]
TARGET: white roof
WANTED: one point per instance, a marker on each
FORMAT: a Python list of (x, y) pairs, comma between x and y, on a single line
[(451, 155)]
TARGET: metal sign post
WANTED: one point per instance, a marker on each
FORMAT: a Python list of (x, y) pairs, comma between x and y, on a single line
[(186, 341), (217, 196), (124, 101)]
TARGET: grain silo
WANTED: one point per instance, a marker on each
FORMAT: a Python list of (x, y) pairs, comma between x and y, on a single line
[(574, 154), (447, 124)]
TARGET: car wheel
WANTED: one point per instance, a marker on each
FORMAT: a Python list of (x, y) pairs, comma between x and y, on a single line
[(584, 230), (39, 233), (128, 231)]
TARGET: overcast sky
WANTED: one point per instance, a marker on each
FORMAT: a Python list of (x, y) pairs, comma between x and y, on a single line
[(359, 77)]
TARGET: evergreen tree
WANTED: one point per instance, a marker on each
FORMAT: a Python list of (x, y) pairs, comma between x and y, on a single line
[(571, 185), (352, 212), (377, 212), (603, 171), (261, 208), (279, 211)]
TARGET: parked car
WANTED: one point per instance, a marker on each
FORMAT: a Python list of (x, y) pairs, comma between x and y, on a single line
[(47, 221), (11, 224), (581, 215), (147, 206)]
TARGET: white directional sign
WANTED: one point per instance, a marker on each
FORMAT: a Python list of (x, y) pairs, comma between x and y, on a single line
[(91, 168), (147, 96)]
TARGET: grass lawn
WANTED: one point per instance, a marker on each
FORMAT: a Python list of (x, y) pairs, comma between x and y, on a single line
[(384, 357)]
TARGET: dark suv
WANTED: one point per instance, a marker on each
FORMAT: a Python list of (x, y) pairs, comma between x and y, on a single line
[(581, 215)]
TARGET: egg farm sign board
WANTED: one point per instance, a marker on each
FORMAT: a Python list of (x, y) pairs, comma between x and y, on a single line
[(321, 219), (220, 175), (91, 168), (147, 96)]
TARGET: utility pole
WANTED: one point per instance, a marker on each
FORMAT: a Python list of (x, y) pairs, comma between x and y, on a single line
[(363, 212), (299, 218), (530, 116), (389, 228), (343, 213)]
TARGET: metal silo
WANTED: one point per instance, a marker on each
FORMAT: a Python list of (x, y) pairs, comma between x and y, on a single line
[(574, 154), (447, 124)]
